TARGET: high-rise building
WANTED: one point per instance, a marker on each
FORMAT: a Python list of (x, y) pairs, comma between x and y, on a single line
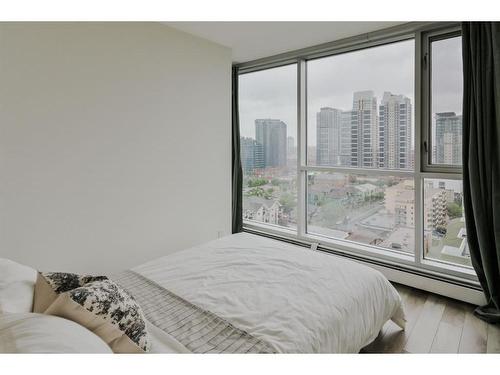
[(448, 138), (364, 130), (271, 134), (328, 138), (395, 132), (251, 155), (345, 138)]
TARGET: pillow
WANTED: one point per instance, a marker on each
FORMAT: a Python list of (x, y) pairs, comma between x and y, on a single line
[(50, 284), (98, 304), (16, 287), (38, 333)]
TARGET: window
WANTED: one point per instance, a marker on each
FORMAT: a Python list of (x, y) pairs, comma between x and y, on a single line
[(446, 100), (370, 161), (445, 236), (268, 130), (360, 116), (444, 233), (360, 108), (378, 211)]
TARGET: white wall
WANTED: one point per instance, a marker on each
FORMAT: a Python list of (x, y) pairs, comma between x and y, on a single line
[(115, 143)]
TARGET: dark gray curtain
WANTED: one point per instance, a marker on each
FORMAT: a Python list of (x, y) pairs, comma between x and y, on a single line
[(237, 180), (481, 157)]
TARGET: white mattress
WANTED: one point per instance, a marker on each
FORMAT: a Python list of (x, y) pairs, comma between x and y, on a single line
[(298, 300)]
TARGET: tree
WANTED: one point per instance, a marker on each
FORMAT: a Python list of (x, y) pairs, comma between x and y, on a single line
[(275, 182), (255, 192), (454, 210), (256, 182), (287, 200), (268, 194)]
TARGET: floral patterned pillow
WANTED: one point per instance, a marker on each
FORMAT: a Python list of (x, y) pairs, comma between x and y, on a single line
[(98, 304), (50, 284)]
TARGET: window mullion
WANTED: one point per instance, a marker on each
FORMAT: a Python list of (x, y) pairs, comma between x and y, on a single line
[(301, 147), (360, 171), (420, 137)]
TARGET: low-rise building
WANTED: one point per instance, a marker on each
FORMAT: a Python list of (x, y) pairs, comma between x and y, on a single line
[(435, 208), (400, 201), (263, 210)]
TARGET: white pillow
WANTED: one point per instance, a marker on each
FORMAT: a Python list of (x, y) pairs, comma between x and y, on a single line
[(17, 283), (40, 333)]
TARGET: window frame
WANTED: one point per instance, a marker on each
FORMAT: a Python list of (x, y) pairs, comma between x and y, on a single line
[(423, 33), (428, 38)]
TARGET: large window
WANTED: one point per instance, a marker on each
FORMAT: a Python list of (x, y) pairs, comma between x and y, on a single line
[(360, 149), (360, 116), (268, 129)]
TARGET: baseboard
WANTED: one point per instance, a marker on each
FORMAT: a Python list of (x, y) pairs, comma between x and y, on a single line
[(461, 293)]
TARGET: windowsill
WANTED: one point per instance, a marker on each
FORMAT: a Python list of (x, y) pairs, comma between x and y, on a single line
[(449, 266), (404, 262), (362, 248), (270, 228)]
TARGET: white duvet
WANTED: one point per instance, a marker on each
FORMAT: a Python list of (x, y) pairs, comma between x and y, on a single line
[(298, 300)]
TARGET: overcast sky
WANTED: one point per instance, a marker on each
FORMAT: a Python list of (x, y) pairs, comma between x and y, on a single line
[(447, 75), (333, 80)]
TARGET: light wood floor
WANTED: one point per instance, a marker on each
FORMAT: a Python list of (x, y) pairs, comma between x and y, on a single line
[(436, 324)]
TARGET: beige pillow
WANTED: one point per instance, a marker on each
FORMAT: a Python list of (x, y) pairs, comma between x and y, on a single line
[(100, 305)]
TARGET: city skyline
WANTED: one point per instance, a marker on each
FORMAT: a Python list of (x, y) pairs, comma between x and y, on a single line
[(272, 93), (385, 130)]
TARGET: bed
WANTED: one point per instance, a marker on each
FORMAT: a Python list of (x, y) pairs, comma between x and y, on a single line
[(247, 293)]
